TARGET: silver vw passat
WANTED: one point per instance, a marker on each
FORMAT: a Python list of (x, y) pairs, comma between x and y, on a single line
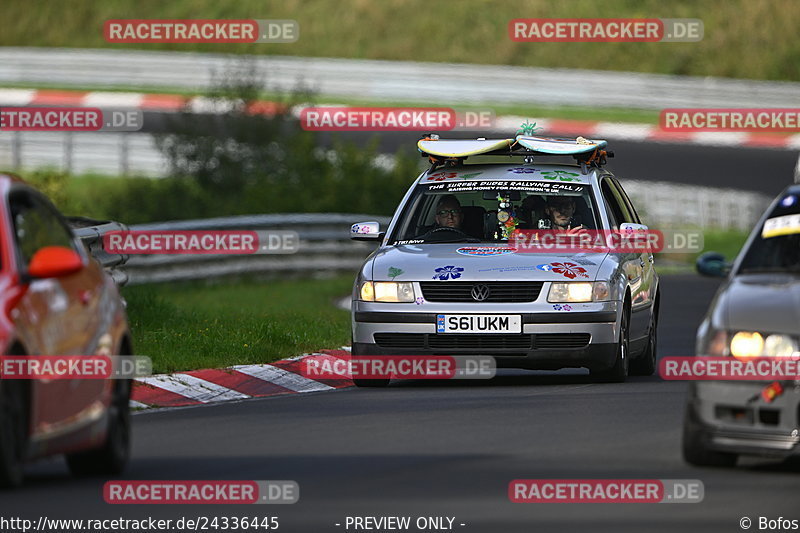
[(448, 279)]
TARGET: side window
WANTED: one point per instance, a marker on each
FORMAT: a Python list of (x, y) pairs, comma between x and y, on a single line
[(615, 213), (36, 225), (616, 202), (628, 202)]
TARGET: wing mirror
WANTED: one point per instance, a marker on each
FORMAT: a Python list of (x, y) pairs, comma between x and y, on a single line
[(713, 264), (630, 226), (366, 231), (54, 262)]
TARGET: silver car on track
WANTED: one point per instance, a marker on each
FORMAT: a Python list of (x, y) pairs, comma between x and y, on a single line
[(755, 313), (446, 280)]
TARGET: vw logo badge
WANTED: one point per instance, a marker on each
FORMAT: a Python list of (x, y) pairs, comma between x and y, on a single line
[(480, 292)]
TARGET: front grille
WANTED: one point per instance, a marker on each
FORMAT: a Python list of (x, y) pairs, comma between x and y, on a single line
[(556, 341), (400, 340), (484, 342), (456, 341), (499, 291)]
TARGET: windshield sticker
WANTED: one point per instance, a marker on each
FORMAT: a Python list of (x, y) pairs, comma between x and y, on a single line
[(485, 251), (532, 186), (394, 272), (448, 272), (441, 176), (564, 307), (568, 270), (409, 241), (785, 225), (562, 175), (467, 176)]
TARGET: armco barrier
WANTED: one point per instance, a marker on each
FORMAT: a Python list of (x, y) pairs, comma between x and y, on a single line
[(91, 234), (325, 248)]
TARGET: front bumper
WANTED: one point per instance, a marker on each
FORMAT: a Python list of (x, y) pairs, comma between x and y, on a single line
[(731, 416), (584, 337)]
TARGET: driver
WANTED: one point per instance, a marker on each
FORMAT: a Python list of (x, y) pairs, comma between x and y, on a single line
[(448, 212), (448, 217)]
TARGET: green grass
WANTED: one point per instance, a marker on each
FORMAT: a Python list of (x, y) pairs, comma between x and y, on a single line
[(743, 38), (193, 325), (728, 243)]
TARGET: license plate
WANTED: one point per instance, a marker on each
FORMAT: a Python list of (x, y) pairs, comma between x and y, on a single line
[(478, 324)]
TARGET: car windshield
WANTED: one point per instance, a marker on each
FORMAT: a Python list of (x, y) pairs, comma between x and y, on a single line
[(776, 247), (488, 211)]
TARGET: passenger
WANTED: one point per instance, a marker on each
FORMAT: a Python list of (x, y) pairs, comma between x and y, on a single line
[(560, 215)]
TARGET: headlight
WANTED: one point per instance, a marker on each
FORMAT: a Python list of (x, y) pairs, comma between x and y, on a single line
[(750, 344), (579, 291), (386, 291), (779, 346)]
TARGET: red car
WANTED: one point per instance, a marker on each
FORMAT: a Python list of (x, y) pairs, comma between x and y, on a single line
[(55, 299)]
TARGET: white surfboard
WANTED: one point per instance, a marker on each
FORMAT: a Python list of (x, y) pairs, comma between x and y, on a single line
[(462, 148), (548, 145)]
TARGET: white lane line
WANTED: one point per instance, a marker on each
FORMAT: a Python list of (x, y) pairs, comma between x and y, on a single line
[(138, 405), (17, 96), (621, 130), (720, 138), (107, 99), (193, 388), (284, 378), (793, 142)]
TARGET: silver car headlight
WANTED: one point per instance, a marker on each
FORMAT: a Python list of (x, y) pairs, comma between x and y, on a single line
[(386, 291), (579, 291)]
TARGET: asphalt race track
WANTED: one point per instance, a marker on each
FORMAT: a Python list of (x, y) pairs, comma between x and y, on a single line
[(443, 449), (451, 448)]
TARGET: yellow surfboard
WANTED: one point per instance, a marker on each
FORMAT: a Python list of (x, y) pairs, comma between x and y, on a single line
[(462, 148)]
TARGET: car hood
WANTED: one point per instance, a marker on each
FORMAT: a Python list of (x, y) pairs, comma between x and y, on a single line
[(760, 302), (471, 262)]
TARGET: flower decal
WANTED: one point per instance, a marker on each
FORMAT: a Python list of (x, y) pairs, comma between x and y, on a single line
[(569, 270), (441, 176), (561, 175), (565, 307), (448, 272), (419, 300)]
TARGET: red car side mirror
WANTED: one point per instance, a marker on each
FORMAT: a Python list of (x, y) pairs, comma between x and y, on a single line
[(54, 262)]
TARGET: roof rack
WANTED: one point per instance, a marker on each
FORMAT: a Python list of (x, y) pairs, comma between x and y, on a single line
[(448, 152)]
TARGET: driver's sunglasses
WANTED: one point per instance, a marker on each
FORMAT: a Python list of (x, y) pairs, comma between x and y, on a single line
[(451, 212)]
